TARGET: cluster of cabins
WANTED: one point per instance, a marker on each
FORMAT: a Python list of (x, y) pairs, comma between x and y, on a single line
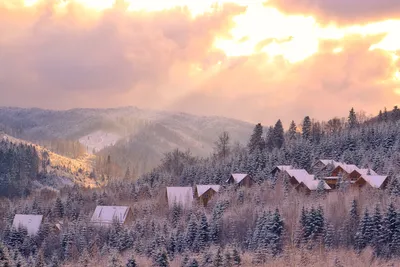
[(327, 173), (330, 174)]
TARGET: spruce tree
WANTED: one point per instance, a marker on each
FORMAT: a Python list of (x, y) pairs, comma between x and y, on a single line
[(194, 263), (5, 259), (352, 119), (256, 140), (237, 261), (131, 262), (218, 260), (278, 138), (306, 130), (292, 131)]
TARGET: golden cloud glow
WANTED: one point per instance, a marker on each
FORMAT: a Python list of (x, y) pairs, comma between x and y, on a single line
[(295, 38), (274, 48)]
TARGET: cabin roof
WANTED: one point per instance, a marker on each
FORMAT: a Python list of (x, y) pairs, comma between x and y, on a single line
[(365, 171), (284, 167), (313, 184), (106, 214), (300, 175), (29, 221), (180, 195), (375, 181), (348, 168), (328, 161), (238, 177), (201, 189)]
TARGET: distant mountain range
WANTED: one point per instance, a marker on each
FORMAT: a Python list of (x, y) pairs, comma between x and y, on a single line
[(134, 137)]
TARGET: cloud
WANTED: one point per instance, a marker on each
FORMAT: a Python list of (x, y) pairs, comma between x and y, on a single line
[(166, 60), (323, 86), (113, 53), (341, 11)]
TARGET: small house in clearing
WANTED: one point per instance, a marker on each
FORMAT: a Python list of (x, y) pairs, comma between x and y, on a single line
[(182, 196), (372, 181), (106, 215), (241, 179), (31, 222), (205, 192), (281, 168)]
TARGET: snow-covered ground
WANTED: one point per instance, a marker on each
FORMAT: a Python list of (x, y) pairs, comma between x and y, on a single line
[(98, 140)]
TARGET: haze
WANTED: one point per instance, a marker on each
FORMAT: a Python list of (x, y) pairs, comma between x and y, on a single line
[(248, 60)]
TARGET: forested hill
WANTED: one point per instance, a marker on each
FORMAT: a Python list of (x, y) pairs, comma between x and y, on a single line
[(373, 143), (140, 137)]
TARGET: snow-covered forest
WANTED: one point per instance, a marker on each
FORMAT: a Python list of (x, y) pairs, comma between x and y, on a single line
[(264, 225)]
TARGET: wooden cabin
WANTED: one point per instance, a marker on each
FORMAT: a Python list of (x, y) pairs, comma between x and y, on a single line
[(322, 165), (204, 193), (372, 181), (332, 181), (240, 179), (308, 186), (344, 170), (106, 215), (182, 196), (357, 173), (295, 177)]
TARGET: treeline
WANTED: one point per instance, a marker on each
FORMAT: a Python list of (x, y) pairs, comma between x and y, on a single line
[(373, 144), (19, 165), (68, 148)]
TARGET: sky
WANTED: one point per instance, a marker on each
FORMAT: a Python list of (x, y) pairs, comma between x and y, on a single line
[(257, 61)]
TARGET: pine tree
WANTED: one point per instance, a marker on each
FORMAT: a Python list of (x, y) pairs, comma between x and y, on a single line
[(237, 261), (306, 130), (5, 259), (329, 236), (292, 131), (191, 231), (203, 233), (256, 140), (218, 260), (352, 119), (227, 258), (131, 262), (161, 259), (278, 135), (321, 189), (58, 208), (194, 263), (39, 262)]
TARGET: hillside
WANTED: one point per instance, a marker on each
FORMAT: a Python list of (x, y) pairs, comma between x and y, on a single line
[(61, 171), (134, 137)]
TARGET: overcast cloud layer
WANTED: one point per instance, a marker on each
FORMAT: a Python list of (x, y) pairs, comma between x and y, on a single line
[(166, 60)]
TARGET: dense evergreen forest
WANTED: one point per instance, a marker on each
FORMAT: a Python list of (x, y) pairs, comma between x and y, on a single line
[(263, 225)]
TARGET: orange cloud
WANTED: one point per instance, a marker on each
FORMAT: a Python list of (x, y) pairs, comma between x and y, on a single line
[(249, 62), (341, 11)]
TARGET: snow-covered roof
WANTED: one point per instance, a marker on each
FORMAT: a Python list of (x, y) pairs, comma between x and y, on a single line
[(238, 177), (201, 189), (365, 171), (300, 175), (375, 181), (284, 167), (329, 161), (180, 195), (106, 214), (29, 221), (349, 168), (313, 184)]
